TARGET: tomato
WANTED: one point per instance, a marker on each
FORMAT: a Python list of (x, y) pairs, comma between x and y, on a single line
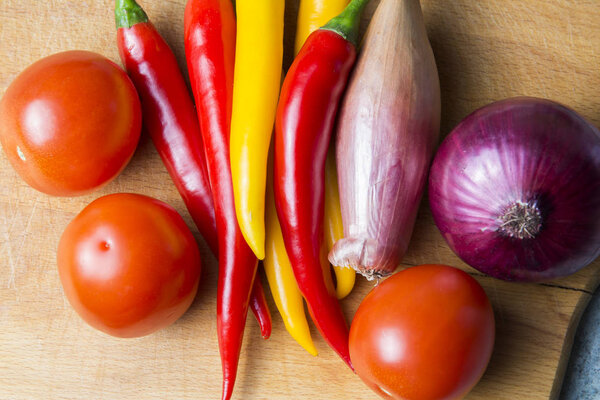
[(70, 122), (129, 265), (425, 333)]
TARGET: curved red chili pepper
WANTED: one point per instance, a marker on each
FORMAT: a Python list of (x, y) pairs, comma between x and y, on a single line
[(171, 121), (210, 49), (306, 112), (260, 309), (168, 114), (257, 299)]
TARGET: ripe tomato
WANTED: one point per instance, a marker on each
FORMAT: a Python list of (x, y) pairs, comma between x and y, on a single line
[(70, 122), (425, 333), (129, 265)]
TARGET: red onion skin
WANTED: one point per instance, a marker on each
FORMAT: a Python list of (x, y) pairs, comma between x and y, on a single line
[(387, 129), (520, 150)]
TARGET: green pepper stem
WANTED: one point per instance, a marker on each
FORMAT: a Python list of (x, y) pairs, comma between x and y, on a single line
[(128, 13), (347, 23)]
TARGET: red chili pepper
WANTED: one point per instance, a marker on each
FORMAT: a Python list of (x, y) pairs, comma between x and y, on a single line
[(305, 115), (170, 119), (257, 300), (260, 309), (210, 30)]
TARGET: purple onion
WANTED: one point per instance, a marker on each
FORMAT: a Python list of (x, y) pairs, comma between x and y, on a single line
[(515, 190)]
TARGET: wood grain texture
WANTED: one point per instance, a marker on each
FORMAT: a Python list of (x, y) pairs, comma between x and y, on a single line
[(485, 50)]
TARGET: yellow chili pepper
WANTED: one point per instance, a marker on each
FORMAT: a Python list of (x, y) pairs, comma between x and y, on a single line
[(287, 296), (344, 276), (313, 14), (256, 83)]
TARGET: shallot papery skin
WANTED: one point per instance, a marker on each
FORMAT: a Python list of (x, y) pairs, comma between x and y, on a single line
[(515, 190), (387, 129)]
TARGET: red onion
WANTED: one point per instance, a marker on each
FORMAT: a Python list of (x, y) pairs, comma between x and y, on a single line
[(387, 129), (515, 190)]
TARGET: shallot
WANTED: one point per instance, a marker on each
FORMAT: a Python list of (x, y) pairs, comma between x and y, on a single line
[(387, 130)]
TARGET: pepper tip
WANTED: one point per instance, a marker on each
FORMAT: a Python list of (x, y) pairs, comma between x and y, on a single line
[(258, 246), (253, 240), (252, 231), (227, 390), (312, 351), (349, 363), (266, 334), (305, 341)]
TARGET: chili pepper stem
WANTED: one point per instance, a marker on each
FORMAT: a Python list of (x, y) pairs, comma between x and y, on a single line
[(347, 23), (128, 13)]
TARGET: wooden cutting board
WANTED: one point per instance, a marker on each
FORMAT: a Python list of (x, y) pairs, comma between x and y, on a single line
[(486, 50)]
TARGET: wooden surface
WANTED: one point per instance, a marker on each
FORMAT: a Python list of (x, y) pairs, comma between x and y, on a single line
[(486, 50)]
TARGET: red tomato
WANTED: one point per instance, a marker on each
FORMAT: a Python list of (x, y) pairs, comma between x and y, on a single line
[(70, 122), (129, 265), (425, 333)]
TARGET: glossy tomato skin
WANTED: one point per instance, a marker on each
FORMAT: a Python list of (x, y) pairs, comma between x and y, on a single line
[(70, 122), (129, 265), (426, 333)]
